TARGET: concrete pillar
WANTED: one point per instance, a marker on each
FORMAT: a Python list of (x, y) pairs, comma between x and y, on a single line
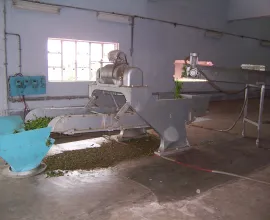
[(3, 77)]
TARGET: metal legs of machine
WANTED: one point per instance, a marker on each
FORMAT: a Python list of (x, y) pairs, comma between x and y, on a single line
[(259, 123)]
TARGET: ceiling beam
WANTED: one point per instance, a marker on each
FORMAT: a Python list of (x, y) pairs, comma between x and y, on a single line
[(248, 9)]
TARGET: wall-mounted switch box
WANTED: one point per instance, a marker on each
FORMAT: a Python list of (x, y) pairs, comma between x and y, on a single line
[(27, 85), (34, 84), (19, 83)]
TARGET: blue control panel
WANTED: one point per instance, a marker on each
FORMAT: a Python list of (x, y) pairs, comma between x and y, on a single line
[(27, 85)]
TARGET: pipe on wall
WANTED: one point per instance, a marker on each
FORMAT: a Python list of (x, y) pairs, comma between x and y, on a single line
[(132, 37), (20, 49), (5, 78), (46, 98)]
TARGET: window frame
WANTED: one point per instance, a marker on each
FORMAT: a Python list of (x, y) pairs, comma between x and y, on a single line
[(101, 62)]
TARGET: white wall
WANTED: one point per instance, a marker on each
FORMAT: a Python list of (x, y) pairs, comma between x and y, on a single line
[(156, 44), (35, 28)]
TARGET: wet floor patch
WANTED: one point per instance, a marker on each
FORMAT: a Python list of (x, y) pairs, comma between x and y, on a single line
[(170, 181), (107, 155)]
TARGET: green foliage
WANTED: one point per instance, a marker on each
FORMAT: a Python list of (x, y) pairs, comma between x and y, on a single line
[(184, 70), (178, 89), (55, 173), (16, 131), (48, 142), (38, 123)]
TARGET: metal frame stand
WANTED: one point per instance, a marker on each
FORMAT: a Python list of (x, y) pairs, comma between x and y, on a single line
[(245, 119)]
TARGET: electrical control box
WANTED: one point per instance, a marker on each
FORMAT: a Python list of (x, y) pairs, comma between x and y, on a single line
[(27, 85)]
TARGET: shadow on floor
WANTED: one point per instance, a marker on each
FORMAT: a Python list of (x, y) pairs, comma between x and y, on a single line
[(172, 182)]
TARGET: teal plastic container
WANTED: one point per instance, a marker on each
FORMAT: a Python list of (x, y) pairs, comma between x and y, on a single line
[(25, 150)]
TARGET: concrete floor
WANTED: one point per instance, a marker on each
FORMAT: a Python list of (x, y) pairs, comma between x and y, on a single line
[(154, 188)]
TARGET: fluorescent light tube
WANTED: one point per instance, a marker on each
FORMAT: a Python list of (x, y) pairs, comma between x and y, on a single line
[(265, 43), (36, 7), (113, 18), (213, 34)]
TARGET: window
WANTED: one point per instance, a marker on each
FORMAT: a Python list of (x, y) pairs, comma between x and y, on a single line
[(74, 60)]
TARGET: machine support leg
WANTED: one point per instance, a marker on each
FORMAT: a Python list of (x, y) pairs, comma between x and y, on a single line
[(116, 105), (177, 147), (122, 111), (127, 134), (91, 103), (245, 112), (258, 123), (260, 115)]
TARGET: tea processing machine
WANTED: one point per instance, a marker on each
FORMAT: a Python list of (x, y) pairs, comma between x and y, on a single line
[(119, 100)]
